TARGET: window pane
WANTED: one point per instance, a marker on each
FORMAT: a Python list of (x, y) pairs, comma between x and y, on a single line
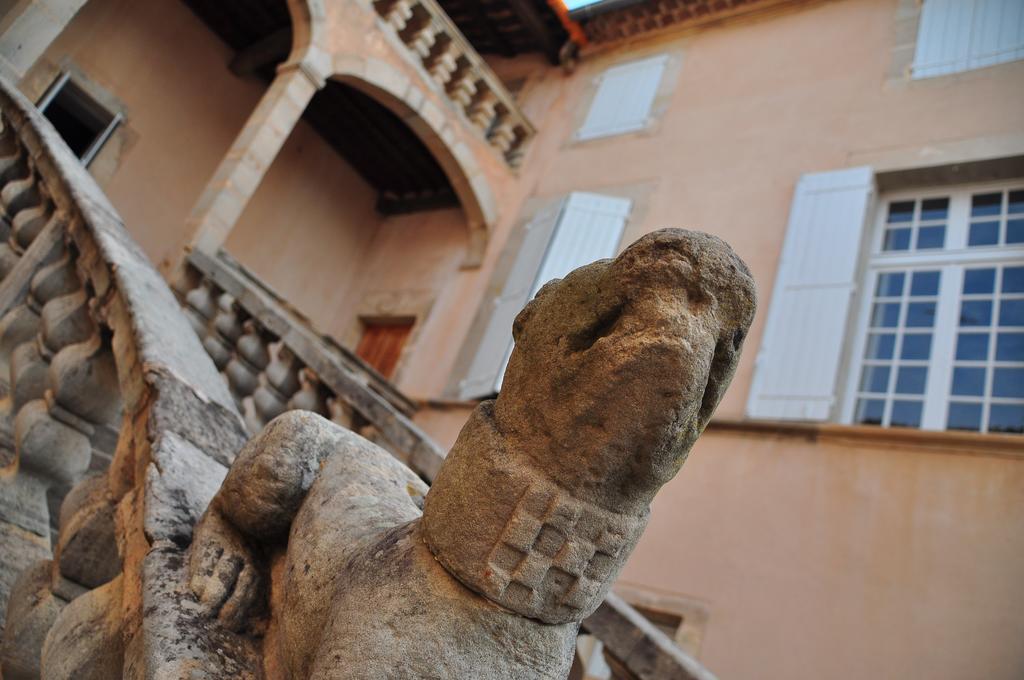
[(910, 379), (1013, 280), (1010, 347), (880, 346), (931, 237), (978, 281), (986, 204), (924, 283), (1006, 418), (1008, 382), (869, 411), (1016, 201), (901, 212), (1011, 313), (875, 379), (935, 208), (972, 346), (1015, 231), (976, 313), (968, 382), (906, 414), (920, 315), (885, 314), (916, 346), (897, 239), (983, 234), (890, 284), (964, 416)]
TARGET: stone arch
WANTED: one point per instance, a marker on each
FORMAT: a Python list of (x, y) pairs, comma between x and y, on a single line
[(309, 35), (408, 101)]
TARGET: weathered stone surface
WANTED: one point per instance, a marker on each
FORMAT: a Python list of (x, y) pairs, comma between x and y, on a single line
[(84, 642), (32, 610), (179, 485), (178, 639), (86, 551), (616, 371)]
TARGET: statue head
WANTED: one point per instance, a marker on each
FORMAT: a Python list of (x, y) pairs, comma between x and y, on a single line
[(616, 370)]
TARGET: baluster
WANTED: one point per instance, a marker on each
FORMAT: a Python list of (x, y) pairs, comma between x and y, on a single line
[(21, 324), (200, 306), (281, 382), (65, 320), (395, 12), (442, 60), (26, 226), (249, 360), (503, 133), (419, 34), (462, 85), (482, 108), (227, 329), (312, 396), (19, 194), (517, 148)]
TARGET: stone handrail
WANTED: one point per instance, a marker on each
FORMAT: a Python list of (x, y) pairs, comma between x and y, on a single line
[(274, 361), (461, 72), (94, 341)]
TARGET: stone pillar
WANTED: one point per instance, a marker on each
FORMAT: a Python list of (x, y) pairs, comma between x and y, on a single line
[(28, 28), (250, 156)]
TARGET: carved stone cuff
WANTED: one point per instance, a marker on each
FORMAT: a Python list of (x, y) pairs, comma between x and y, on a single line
[(518, 538)]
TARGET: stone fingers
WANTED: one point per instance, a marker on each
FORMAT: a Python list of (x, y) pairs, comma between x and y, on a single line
[(235, 611)]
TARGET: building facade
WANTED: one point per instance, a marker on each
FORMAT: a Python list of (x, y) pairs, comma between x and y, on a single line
[(408, 174)]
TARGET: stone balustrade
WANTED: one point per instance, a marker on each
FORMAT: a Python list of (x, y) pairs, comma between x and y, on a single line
[(273, 361), (104, 366), (461, 72)]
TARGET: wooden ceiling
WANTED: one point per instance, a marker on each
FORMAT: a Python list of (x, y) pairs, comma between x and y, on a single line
[(509, 27)]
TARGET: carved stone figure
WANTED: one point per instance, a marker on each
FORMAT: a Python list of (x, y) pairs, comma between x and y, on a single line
[(340, 556)]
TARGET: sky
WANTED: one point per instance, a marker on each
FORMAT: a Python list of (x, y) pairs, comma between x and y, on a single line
[(573, 4)]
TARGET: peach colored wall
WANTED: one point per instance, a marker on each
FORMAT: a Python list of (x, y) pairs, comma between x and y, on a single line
[(183, 107), (308, 229), (756, 103), (826, 560)]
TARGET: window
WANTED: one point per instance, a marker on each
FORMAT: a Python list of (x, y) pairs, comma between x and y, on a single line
[(584, 228), (624, 97), (84, 123), (941, 341), (960, 35)]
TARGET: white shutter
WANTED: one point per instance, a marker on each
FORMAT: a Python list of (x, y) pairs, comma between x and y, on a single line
[(796, 373), (488, 362), (589, 227), (623, 99), (959, 35)]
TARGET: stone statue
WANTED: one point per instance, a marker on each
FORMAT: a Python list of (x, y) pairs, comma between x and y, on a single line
[(338, 554)]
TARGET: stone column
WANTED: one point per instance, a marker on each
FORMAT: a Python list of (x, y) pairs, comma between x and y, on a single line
[(28, 28), (250, 156)]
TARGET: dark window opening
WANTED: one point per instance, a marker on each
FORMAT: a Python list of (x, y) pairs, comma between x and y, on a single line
[(83, 123)]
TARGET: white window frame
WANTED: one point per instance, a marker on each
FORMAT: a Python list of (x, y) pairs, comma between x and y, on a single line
[(952, 260), (51, 93)]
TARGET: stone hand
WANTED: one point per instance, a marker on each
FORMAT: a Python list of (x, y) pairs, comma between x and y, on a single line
[(222, 572)]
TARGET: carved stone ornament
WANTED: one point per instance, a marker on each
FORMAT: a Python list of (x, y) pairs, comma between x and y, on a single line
[(348, 567)]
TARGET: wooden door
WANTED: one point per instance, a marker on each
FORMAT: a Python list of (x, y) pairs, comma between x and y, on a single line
[(382, 343)]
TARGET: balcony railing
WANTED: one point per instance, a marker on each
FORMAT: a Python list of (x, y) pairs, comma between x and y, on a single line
[(455, 66), (274, 361)]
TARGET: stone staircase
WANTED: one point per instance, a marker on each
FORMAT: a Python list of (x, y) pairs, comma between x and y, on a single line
[(142, 405)]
